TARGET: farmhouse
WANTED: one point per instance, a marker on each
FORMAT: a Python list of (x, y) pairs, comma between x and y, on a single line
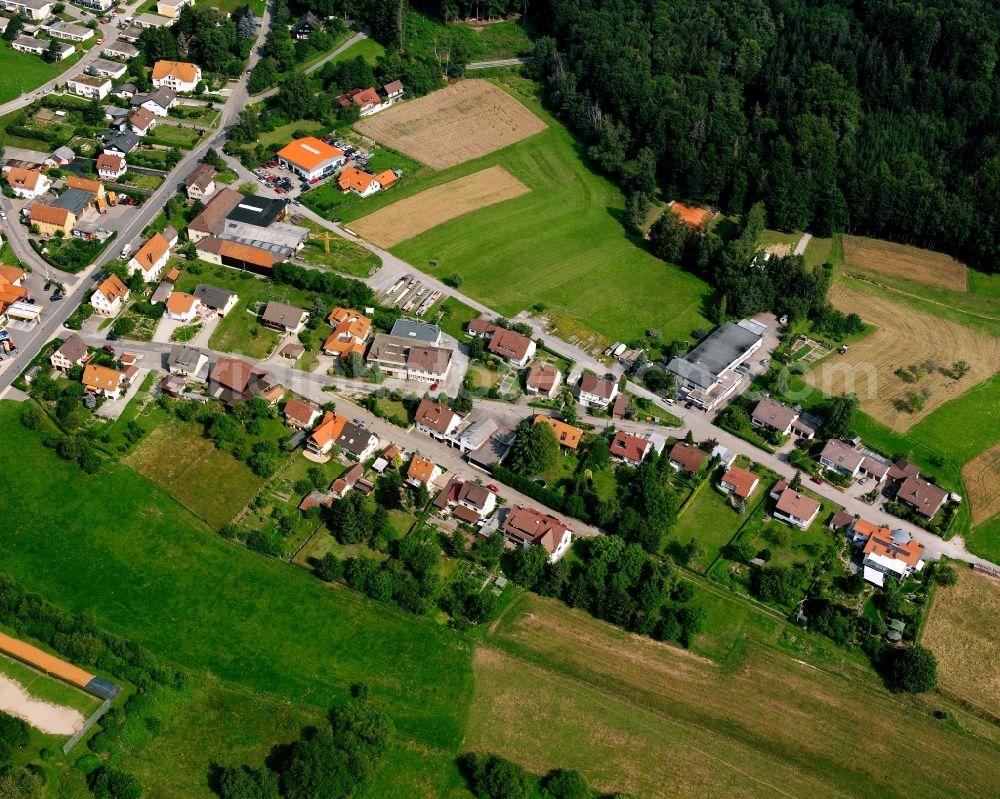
[(200, 182), (422, 472), (214, 299), (597, 392), (27, 183), (90, 86), (178, 76), (924, 497), (566, 434), (409, 360), (284, 318), (182, 307), (233, 381), (300, 415), (306, 24), (526, 527), (773, 415), (630, 449), (350, 332), (72, 352), (793, 507), (51, 219), (311, 158), (110, 296), (707, 375), (29, 9), (687, 458), (186, 361), (543, 379), (151, 258), (436, 420), (739, 482), (103, 381), (110, 167), (212, 217)]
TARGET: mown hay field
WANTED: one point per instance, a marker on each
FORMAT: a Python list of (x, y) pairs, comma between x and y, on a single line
[(901, 260), (413, 215), (466, 120), (963, 634), (981, 476), (904, 337), (556, 688)]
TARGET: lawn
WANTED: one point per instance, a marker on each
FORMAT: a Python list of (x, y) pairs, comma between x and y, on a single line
[(560, 246), (711, 521), (211, 483), (344, 256), (158, 575), (174, 136), (452, 316), (776, 238), (818, 251), (663, 722), (30, 71), (283, 134), (368, 49)]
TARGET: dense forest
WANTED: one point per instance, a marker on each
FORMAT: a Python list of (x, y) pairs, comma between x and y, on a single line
[(868, 116)]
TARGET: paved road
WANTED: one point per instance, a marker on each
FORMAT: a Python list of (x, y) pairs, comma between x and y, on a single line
[(502, 62), (800, 248), (357, 37)]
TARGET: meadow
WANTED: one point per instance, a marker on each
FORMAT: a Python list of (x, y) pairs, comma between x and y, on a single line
[(30, 71), (709, 518), (561, 247)]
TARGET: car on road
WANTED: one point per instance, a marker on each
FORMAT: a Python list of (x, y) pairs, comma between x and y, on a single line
[(336, 220), (765, 361), (48, 285), (112, 336), (493, 488), (57, 297), (126, 251), (3, 214), (818, 481)]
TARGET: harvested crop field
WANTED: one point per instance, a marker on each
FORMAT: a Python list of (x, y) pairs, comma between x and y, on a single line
[(185, 464), (469, 119), (413, 215), (662, 722), (981, 476), (903, 338), (966, 644), (901, 260)]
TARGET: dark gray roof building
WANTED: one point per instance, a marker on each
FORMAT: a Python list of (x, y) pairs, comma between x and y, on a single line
[(212, 297), (415, 330), (723, 349), (260, 211)]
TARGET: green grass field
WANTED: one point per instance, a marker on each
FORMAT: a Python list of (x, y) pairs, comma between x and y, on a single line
[(368, 49), (712, 521), (283, 134), (26, 72), (452, 316), (160, 576), (817, 252), (174, 136), (345, 256), (561, 245), (48, 689)]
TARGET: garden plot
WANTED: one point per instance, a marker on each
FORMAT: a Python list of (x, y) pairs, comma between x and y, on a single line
[(807, 351), (456, 124)]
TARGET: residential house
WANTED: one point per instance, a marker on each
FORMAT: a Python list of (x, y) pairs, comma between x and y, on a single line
[(323, 438), (123, 50), (72, 352), (687, 458), (350, 332), (922, 496), (900, 470), (200, 182), (284, 318), (516, 348), (60, 29), (142, 121), (526, 527), (467, 500), (146, 20), (61, 156), (110, 296), (707, 375), (121, 143), (357, 441), (50, 219), (182, 307), (306, 24), (422, 472), (186, 361), (117, 117), (739, 481), (393, 92), (27, 183), (159, 101), (367, 101), (492, 451), (103, 381), (178, 76), (39, 47), (36, 10), (219, 301), (543, 379), (107, 69), (342, 486), (234, 380), (773, 415), (620, 409), (436, 420), (151, 258), (12, 290), (301, 415), (566, 434), (131, 34), (885, 552), (407, 360), (95, 5), (793, 507), (311, 158), (630, 449), (212, 217), (361, 183), (171, 8), (597, 392), (474, 434), (841, 457), (90, 86), (110, 167), (416, 330)]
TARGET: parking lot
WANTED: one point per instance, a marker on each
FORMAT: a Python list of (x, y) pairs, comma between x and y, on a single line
[(286, 183), (410, 294)]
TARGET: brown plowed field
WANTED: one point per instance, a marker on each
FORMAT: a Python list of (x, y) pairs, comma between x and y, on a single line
[(901, 260), (981, 476), (411, 216), (903, 338), (467, 120)]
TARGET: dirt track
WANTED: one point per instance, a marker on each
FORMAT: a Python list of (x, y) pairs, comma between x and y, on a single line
[(409, 217), (466, 120)]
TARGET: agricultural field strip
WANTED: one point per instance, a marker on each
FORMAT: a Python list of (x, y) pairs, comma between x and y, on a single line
[(901, 260), (412, 216), (981, 477)]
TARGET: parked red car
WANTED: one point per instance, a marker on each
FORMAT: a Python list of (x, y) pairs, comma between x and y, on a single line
[(493, 488)]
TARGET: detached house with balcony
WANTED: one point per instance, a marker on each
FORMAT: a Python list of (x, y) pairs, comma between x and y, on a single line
[(526, 527), (110, 296), (178, 76), (794, 508), (151, 258)]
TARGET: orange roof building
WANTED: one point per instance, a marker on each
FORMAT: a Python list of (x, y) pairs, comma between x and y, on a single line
[(27, 182), (350, 332), (692, 216), (9, 292), (151, 258), (50, 219), (181, 76), (359, 182), (321, 439), (386, 178), (567, 435), (102, 380), (422, 471), (739, 481), (311, 157), (93, 186), (181, 305)]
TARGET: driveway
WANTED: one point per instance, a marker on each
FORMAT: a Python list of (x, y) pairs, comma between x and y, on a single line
[(112, 409)]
